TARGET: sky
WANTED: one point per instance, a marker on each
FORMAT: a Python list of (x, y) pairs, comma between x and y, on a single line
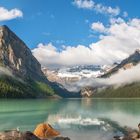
[(75, 32)]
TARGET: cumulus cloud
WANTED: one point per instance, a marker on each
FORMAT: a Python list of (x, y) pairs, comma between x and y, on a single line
[(121, 40), (125, 14), (107, 10), (123, 77), (86, 4), (6, 14), (116, 20), (98, 7), (48, 55), (98, 26)]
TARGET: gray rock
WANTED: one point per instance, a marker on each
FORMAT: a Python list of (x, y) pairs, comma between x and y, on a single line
[(17, 135), (10, 135), (17, 56), (61, 138), (28, 136)]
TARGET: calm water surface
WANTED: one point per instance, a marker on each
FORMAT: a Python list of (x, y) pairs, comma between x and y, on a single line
[(77, 118)]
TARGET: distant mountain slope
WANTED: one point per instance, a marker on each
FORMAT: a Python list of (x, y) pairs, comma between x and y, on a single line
[(127, 63), (20, 72), (73, 74), (127, 91), (11, 87)]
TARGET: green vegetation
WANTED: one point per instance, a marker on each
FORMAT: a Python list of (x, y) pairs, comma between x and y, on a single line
[(127, 91), (43, 88), (13, 88)]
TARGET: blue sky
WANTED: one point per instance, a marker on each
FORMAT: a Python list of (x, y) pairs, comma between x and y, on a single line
[(59, 21), (64, 22)]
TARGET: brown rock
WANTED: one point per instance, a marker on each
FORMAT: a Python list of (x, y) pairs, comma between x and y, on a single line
[(45, 130), (10, 135)]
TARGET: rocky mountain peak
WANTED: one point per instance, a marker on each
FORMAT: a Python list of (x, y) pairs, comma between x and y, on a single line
[(125, 64), (15, 55), (137, 51), (3, 27)]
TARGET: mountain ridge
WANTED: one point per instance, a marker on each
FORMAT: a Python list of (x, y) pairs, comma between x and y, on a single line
[(26, 79), (103, 90), (15, 54), (127, 63)]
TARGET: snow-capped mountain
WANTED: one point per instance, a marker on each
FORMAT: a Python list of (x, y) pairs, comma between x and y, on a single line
[(75, 73), (87, 79), (81, 71)]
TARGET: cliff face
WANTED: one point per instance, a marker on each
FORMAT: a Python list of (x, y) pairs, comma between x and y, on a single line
[(25, 78), (15, 55)]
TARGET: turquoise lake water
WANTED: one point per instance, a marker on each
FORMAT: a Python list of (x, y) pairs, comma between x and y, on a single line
[(77, 118)]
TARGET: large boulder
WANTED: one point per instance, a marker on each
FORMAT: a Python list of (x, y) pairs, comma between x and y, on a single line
[(45, 130)]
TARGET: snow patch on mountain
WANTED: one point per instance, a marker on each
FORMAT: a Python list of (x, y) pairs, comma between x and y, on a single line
[(83, 71)]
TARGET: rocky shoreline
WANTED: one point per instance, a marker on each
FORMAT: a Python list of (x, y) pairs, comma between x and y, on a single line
[(17, 135), (131, 134), (43, 131)]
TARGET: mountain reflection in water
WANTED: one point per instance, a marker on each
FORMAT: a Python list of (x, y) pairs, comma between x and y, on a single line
[(77, 118)]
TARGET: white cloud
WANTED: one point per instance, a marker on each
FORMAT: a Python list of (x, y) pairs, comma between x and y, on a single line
[(98, 7), (6, 14), (48, 55), (135, 23), (107, 10), (125, 14), (98, 26), (116, 20), (123, 77), (86, 4), (121, 40)]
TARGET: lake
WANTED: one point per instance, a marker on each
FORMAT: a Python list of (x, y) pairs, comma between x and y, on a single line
[(76, 118)]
